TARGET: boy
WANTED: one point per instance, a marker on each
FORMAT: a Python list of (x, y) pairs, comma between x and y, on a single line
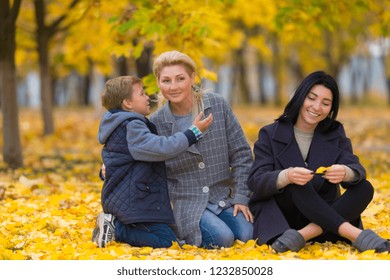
[(135, 197)]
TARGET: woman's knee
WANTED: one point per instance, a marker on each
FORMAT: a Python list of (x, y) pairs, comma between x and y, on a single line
[(241, 228), (364, 191), (218, 239), (215, 233), (369, 189), (246, 232), (225, 239)]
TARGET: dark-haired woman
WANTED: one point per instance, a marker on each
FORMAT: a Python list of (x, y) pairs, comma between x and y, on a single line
[(291, 204)]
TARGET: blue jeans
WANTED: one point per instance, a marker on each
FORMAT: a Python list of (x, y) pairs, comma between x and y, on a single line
[(221, 230), (156, 235)]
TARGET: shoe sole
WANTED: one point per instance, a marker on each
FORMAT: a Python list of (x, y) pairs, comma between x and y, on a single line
[(99, 238), (279, 247)]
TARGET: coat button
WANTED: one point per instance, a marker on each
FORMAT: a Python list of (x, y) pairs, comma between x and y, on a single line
[(201, 165), (222, 203), (205, 189)]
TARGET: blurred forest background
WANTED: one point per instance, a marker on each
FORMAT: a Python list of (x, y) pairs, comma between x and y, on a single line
[(56, 55), (59, 53)]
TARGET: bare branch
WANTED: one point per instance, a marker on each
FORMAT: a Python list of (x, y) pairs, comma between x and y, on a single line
[(66, 27), (54, 27)]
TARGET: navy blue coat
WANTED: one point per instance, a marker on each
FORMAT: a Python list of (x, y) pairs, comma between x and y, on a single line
[(276, 149), (133, 191)]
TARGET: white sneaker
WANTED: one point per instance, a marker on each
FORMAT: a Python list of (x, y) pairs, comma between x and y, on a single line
[(105, 230)]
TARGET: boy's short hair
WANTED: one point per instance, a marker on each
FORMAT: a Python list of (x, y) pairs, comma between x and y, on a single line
[(118, 89)]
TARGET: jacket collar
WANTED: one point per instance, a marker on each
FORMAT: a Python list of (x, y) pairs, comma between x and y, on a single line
[(323, 149), (169, 119), (168, 115)]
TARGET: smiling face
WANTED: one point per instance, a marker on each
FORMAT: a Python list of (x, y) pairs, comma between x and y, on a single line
[(175, 84), (315, 108)]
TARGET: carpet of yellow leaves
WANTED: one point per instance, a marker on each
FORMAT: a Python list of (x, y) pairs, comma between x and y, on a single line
[(48, 208)]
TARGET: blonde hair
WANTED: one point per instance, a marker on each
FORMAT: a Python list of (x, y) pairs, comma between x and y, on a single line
[(170, 58), (117, 89)]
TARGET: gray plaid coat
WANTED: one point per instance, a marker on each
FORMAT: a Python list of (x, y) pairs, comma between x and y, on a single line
[(214, 170)]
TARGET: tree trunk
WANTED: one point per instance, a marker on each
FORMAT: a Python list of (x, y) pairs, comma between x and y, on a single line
[(334, 62), (86, 86), (43, 36), (242, 90), (354, 81), (12, 148), (46, 89), (295, 68), (277, 69), (388, 87), (121, 65), (262, 93), (386, 65), (252, 74), (143, 63), (328, 43)]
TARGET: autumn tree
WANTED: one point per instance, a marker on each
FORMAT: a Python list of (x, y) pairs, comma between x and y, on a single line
[(197, 28), (380, 32), (325, 32), (290, 37), (12, 151), (45, 31), (92, 54), (42, 25), (252, 25)]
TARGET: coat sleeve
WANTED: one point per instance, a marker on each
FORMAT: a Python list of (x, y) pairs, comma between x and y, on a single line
[(147, 146), (262, 175)]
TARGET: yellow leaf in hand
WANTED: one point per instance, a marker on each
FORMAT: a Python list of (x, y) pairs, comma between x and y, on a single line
[(321, 169)]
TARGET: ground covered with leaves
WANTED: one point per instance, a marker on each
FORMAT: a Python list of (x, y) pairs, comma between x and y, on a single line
[(48, 208)]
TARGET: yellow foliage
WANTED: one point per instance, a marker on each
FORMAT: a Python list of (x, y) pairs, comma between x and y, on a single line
[(50, 206), (321, 169)]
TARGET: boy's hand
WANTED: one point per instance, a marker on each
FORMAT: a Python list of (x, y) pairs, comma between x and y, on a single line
[(204, 124), (103, 170)]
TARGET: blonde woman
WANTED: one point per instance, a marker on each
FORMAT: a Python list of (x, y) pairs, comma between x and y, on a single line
[(207, 183)]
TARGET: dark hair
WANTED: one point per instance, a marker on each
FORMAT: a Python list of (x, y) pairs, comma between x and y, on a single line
[(291, 111)]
